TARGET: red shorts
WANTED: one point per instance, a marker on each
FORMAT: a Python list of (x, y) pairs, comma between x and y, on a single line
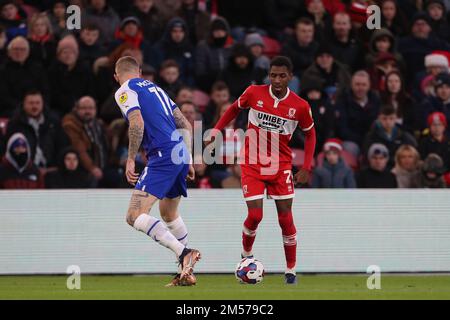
[(279, 186)]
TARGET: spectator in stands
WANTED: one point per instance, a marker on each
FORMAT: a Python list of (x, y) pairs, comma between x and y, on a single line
[(169, 78), (432, 172), (130, 32), (436, 140), (396, 96), (332, 75), (152, 19), (17, 171), (240, 72), (281, 16), (90, 49), (377, 175), (69, 174), (386, 132), (198, 22), (357, 109), (89, 139), (334, 172), (13, 19), (322, 110), (439, 103), (42, 130), (418, 44), (212, 55), (176, 45), (185, 94), (42, 43), (255, 43), (407, 167), (220, 95), (346, 48), (3, 41), (69, 78), (438, 20), (383, 64), (301, 48), (435, 63), (321, 17), (392, 18), (57, 16), (104, 16), (226, 174), (18, 75), (191, 113), (382, 42)]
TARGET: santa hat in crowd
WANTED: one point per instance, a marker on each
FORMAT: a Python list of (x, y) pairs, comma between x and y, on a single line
[(437, 117), (333, 144), (358, 12), (436, 60)]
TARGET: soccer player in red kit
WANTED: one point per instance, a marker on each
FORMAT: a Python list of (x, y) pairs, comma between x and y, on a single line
[(274, 114)]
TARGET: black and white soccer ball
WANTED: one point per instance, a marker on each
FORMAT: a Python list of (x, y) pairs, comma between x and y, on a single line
[(249, 271)]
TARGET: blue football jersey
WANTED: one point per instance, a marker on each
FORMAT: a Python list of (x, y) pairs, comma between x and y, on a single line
[(157, 111)]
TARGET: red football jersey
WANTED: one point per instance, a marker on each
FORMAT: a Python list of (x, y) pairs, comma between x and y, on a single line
[(271, 124)]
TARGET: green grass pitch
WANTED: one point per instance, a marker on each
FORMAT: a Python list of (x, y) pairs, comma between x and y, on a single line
[(221, 287)]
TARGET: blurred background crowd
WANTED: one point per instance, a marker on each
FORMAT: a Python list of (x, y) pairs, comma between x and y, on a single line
[(380, 98)]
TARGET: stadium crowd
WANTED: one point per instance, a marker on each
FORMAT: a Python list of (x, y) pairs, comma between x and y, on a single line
[(380, 98)]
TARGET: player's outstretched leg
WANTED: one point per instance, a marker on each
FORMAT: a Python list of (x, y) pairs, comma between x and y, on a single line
[(254, 217), (169, 213), (157, 230), (289, 232)]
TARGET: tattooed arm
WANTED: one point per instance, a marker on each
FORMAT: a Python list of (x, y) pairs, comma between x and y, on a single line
[(186, 131), (135, 135), (186, 128)]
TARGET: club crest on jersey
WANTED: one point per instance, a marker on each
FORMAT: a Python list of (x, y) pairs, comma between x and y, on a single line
[(291, 113), (260, 104), (123, 98)]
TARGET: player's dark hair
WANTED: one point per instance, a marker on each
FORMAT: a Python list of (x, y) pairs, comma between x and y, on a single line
[(387, 110), (282, 61), (2, 29)]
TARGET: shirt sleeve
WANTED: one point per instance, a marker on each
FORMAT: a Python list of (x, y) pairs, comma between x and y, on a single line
[(127, 101), (306, 121), (243, 102), (173, 105)]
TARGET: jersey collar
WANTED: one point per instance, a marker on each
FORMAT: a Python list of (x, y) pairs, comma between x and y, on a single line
[(275, 98)]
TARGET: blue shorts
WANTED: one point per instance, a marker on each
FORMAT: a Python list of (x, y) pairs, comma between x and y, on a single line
[(164, 179)]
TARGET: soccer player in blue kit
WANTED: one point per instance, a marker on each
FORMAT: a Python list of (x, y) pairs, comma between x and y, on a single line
[(153, 121)]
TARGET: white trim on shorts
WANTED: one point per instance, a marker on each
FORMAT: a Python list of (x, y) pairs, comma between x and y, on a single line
[(261, 196), (288, 196)]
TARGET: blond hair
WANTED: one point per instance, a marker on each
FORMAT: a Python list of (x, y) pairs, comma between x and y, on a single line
[(127, 64), (35, 18), (407, 148)]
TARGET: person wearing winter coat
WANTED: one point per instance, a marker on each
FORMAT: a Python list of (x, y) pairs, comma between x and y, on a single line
[(17, 171), (334, 172), (407, 167)]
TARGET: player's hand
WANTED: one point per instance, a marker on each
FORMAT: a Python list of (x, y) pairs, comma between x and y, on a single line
[(191, 174), (302, 176), (132, 176)]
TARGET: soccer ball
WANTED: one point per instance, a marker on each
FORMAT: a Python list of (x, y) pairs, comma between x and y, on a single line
[(249, 271)]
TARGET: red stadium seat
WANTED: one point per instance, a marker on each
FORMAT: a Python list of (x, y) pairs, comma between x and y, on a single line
[(298, 157)]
